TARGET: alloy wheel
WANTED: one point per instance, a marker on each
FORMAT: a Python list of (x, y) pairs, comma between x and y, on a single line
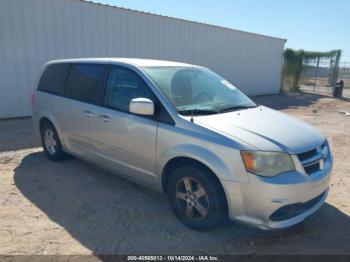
[(50, 141), (192, 198)]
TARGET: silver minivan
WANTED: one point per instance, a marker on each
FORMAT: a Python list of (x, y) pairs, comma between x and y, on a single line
[(185, 131)]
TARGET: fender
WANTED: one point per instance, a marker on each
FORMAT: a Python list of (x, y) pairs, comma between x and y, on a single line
[(201, 154)]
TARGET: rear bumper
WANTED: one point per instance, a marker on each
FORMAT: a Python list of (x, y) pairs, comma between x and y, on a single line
[(278, 202)]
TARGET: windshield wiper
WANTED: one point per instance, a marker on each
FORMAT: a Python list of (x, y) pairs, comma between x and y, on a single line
[(188, 112), (235, 108)]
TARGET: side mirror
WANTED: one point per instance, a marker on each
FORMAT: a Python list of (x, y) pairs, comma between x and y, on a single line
[(141, 106)]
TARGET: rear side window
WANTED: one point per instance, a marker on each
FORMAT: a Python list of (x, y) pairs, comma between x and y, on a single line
[(53, 79), (84, 81)]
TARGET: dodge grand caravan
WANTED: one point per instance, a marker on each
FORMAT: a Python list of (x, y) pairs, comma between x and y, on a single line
[(187, 132)]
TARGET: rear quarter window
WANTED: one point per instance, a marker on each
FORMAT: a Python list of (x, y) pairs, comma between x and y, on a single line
[(53, 79)]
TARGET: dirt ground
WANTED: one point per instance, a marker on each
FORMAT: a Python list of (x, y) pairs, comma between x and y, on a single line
[(73, 207)]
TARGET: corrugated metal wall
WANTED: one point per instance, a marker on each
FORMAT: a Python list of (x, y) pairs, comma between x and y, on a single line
[(35, 31)]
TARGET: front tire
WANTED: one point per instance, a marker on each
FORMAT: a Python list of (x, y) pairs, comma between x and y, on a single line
[(51, 142), (197, 197)]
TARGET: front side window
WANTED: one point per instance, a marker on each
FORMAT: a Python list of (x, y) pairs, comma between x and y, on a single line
[(84, 81), (123, 85), (195, 90), (53, 79)]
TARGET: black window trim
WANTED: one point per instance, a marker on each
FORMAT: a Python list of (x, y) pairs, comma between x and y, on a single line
[(66, 80), (157, 103)]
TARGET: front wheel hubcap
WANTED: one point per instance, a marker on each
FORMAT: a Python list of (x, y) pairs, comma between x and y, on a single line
[(192, 198), (50, 141)]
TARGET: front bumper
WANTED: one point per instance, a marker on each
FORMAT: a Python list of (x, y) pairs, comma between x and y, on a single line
[(269, 202)]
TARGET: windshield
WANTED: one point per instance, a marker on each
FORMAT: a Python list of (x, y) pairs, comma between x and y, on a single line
[(194, 90)]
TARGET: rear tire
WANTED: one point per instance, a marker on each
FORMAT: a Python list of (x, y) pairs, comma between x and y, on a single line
[(197, 197), (51, 142)]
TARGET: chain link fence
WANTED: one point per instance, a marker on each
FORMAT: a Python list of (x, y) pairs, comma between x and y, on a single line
[(322, 74)]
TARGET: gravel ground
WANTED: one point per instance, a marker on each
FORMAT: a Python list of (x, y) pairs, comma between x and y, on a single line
[(73, 207)]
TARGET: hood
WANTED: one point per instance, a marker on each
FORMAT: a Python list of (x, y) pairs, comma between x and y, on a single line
[(264, 129)]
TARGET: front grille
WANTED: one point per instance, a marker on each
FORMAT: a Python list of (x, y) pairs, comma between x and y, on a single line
[(311, 160), (307, 154), (293, 210), (312, 168)]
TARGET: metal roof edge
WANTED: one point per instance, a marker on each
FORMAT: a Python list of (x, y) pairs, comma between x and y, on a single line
[(181, 19)]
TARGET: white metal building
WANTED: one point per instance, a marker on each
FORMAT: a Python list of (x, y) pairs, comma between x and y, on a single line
[(35, 31)]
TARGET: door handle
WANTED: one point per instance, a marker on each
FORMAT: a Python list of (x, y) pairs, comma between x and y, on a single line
[(105, 118), (88, 113)]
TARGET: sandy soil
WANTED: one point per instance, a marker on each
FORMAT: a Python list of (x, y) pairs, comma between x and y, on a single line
[(74, 208)]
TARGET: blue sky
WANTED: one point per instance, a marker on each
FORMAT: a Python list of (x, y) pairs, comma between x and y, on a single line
[(317, 25)]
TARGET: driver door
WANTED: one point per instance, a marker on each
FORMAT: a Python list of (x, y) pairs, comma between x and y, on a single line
[(126, 142)]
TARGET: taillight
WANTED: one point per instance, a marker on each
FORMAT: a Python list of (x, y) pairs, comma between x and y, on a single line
[(32, 99)]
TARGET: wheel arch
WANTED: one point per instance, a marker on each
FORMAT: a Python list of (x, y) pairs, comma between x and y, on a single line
[(171, 165), (43, 120), (52, 121)]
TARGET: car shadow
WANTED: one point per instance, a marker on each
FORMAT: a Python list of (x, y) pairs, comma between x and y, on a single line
[(109, 215), (289, 101)]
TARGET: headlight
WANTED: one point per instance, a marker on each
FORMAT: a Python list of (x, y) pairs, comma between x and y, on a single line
[(267, 163)]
